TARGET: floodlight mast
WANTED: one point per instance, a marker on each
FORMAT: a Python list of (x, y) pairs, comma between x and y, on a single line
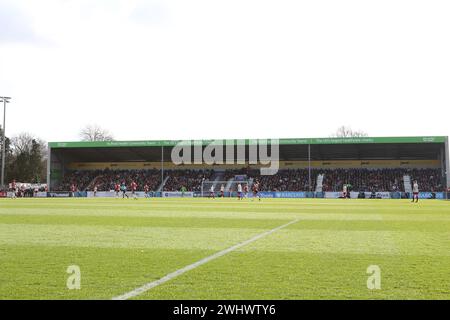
[(5, 100)]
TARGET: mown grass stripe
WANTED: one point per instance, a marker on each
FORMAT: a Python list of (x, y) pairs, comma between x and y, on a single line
[(192, 266)]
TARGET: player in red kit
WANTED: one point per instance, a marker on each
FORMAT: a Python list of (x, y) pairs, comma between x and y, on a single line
[(72, 190), (133, 189), (146, 190), (246, 190), (117, 189), (256, 191)]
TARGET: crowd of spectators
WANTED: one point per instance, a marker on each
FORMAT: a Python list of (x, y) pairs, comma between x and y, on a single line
[(377, 180), (428, 179), (105, 180), (230, 174), (285, 180), (364, 179), (80, 179), (190, 179), (109, 178)]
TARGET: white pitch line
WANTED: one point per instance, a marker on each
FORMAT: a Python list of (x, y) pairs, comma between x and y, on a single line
[(179, 272)]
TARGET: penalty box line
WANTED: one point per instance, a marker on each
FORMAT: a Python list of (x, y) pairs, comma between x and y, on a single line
[(170, 276)]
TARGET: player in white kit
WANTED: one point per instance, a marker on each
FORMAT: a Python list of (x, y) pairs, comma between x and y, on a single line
[(239, 189), (13, 189), (344, 191), (415, 191), (211, 192)]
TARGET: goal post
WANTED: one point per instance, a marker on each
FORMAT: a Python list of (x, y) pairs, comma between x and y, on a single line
[(230, 187)]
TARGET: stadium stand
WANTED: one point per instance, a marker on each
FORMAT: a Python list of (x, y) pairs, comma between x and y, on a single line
[(318, 165)]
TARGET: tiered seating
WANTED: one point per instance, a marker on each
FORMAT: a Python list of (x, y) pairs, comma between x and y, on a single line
[(381, 179), (428, 179), (109, 178), (106, 179), (285, 180), (190, 179)]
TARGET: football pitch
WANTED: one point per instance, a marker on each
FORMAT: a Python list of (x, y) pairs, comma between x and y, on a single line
[(273, 249)]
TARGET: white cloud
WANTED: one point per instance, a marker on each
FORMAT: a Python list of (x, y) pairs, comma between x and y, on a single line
[(150, 13), (15, 26), (213, 69)]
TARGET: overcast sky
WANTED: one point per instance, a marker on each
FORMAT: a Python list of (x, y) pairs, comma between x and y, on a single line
[(208, 69)]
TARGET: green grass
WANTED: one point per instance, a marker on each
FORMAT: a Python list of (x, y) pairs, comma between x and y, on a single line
[(120, 245)]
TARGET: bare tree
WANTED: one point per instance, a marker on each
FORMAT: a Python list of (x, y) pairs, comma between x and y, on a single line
[(22, 143), (95, 133), (347, 132)]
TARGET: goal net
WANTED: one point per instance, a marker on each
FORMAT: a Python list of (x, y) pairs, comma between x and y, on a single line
[(230, 188)]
